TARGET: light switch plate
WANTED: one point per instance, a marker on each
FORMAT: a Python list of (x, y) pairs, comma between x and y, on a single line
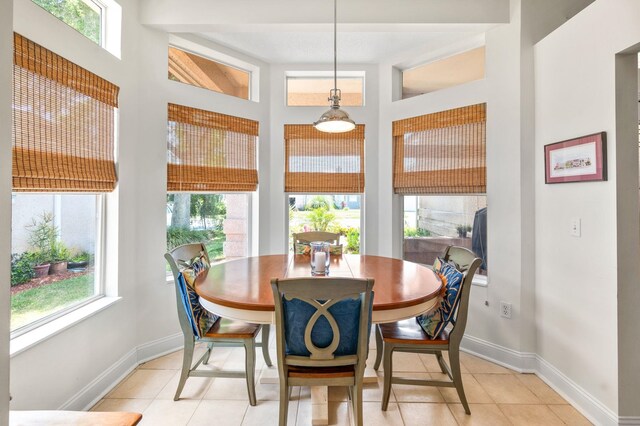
[(575, 226)]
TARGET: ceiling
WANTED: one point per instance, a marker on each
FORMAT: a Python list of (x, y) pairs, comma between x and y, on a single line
[(301, 31), (317, 47)]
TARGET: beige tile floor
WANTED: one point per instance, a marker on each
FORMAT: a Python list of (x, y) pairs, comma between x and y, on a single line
[(497, 396)]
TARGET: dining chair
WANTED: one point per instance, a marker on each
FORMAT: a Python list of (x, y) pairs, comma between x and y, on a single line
[(198, 325), (409, 336), (322, 333), (309, 237)]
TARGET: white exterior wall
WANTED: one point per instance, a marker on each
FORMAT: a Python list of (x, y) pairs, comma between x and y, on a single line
[(6, 87), (582, 283)]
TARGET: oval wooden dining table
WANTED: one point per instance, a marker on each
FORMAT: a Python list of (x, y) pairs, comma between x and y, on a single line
[(241, 289)]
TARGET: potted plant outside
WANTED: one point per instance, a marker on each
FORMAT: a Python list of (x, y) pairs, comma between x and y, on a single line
[(59, 257), (79, 261), (42, 235)]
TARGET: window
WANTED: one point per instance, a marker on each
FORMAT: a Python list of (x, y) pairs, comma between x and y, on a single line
[(440, 168), (63, 149), (55, 254), (314, 90), (434, 222), (331, 213), (206, 73), (220, 221), (211, 164), (448, 72), (85, 16)]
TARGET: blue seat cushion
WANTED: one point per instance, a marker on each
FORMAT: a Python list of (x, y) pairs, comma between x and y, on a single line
[(297, 314), (435, 320), (201, 320)]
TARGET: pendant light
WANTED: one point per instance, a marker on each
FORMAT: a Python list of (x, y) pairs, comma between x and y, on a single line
[(335, 120)]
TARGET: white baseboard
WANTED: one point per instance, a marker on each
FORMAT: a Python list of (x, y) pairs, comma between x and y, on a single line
[(88, 396), (623, 420), (96, 389), (526, 362)]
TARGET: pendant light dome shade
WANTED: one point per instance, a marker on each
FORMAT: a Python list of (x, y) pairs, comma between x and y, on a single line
[(335, 120)]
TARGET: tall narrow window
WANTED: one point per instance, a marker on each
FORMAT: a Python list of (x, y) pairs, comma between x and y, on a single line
[(196, 70), (63, 163), (439, 167), (211, 164)]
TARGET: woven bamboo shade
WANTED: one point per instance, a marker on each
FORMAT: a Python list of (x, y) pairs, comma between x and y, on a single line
[(63, 124), (323, 162), (441, 153), (208, 151)]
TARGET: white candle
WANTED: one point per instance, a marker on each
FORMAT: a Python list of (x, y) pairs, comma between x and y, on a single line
[(320, 259)]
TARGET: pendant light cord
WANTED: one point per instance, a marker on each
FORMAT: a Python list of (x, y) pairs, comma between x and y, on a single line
[(335, 45)]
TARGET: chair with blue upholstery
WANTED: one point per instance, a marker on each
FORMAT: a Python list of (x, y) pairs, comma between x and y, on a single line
[(188, 262), (428, 333), (322, 333)]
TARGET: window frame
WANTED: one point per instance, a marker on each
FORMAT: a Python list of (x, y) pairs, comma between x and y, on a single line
[(250, 246), (99, 265), (321, 75), (478, 280), (221, 58), (286, 217)]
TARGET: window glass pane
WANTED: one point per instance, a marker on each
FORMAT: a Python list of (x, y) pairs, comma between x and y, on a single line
[(53, 245), (330, 213), (220, 221), (84, 16), (431, 223), (448, 72), (199, 71), (314, 91)]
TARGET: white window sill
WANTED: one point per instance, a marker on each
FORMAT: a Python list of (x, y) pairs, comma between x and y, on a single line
[(480, 280), (50, 329)]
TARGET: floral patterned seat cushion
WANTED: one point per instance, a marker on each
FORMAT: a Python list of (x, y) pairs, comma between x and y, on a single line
[(201, 319), (434, 321)]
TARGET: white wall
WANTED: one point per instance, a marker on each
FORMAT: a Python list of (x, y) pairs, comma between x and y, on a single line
[(581, 282), (6, 68)]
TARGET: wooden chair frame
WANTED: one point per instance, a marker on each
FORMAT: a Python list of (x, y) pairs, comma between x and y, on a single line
[(187, 252), (467, 263), (331, 291), (308, 237)]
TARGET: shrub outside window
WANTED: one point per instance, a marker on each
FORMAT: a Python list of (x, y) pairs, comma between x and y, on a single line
[(220, 221), (329, 213)]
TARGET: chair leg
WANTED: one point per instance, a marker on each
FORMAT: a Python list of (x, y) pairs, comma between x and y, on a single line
[(379, 348), (205, 361), (454, 359), (265, 344), (441, 362), (284, 402), (388, 370), (250, 368), (187, 360), (356, 399)]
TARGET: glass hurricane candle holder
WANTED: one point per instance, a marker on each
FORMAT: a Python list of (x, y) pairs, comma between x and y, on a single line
[(320, 258)]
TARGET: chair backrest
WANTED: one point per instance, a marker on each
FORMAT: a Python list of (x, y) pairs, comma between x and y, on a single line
[(179, 254), (467, 263), (308, 237), (335, 307)]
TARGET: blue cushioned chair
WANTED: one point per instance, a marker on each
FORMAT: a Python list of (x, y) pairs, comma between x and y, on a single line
[(201, 326), (409, 336), (322, 333)]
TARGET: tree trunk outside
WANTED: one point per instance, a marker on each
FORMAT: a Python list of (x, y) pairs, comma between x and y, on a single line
[(181, 217)]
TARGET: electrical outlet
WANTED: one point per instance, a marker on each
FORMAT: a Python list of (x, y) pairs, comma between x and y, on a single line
[(505, 310)]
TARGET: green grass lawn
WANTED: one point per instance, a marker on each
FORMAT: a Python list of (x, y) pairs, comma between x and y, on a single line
[(38, 302)]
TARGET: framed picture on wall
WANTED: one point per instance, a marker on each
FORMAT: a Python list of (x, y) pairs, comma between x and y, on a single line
[(581, 159)]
